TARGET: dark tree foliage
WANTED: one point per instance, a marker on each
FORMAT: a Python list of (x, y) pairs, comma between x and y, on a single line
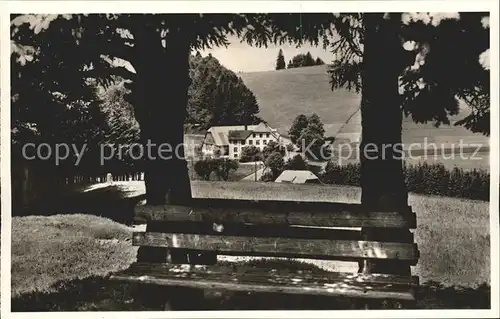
[(275, 163), (299, 124), (280, 61), (250, 154), (315, 125), (296, 163), (204, 168), (272, 147), (312, 145), (224, 166), (308, 134), (424, 178), (303, 60), (217, 96)]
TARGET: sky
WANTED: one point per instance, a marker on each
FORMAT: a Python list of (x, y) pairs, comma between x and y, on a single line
[(240, 57)]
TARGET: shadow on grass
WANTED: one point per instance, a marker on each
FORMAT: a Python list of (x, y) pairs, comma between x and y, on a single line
[(109, 202), (101, 294)]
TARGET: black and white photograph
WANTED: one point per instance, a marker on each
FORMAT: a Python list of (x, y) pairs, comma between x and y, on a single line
[(211, 157)]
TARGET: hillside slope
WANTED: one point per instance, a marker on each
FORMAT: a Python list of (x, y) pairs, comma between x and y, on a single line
[(284, 94)]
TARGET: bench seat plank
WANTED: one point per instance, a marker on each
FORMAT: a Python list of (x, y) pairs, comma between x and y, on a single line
[(256, 215), (376, 286), (284, 247)]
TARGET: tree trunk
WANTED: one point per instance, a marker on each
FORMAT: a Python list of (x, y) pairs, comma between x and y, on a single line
[(160, 96), (382, 180), (160, 100)]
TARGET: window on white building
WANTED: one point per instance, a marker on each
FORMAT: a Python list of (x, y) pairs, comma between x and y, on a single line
[(235, 149), (253, 135), (257, 142), (250, 142), (264, 142), (243, 142), (260, 135), (267, 135)]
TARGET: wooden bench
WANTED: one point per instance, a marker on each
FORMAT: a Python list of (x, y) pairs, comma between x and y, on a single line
[(276, 229)]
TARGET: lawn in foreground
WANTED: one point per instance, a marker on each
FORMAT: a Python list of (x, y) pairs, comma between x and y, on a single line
[(69, 253)]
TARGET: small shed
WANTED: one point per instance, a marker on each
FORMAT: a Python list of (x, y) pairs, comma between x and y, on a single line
[(298, 177)]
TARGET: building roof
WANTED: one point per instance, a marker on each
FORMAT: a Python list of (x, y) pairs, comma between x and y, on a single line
[(239, 135), (296, 177), (215, 138), (262, 128)]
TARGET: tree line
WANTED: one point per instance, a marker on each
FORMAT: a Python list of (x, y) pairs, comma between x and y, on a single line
[(298, 61), (422, 178)]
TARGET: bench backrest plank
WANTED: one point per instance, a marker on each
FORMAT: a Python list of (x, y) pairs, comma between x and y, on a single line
[(277, 205), (279, 216), (282, 247), (265, 230)]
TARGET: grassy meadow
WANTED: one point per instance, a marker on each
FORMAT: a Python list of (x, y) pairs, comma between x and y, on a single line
[(71, 254), (284, 94)]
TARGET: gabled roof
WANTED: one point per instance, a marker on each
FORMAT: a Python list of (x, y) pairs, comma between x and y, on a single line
[(216, 138), (239, 135), (209, 139), (296, 177), (261, 128)]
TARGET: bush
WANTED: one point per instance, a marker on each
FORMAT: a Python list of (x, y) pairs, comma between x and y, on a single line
[(296, 163), (267, 177), (423, 178), (272, 147), (342, 174), (275, 163), (204, 168), (250, 154), (223, 167)]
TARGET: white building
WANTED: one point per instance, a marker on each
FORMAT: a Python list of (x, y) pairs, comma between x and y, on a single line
[(298, 177), (230, 140)]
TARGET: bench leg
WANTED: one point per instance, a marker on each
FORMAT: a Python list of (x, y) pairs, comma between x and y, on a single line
[(396, 267), (182, 298), (169, 298)]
